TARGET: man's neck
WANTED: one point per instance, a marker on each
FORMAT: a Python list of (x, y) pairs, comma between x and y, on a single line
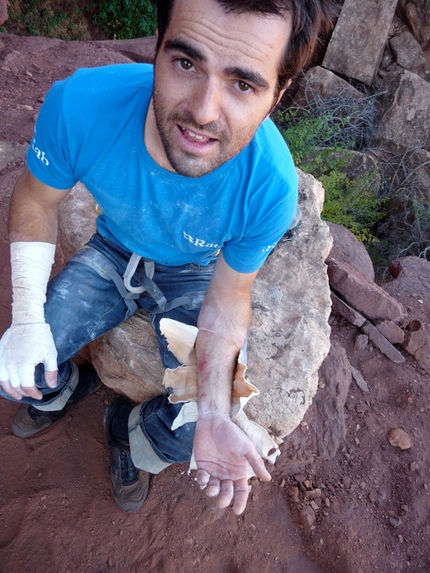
[(153, 142)]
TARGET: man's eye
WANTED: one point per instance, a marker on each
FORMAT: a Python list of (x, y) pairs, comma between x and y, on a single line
[(244, 87), (185, 64)]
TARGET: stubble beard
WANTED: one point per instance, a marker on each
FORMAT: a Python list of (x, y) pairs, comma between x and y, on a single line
[(184, 162)]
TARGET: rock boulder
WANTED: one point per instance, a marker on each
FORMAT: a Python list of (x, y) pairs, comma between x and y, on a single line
[(289, 336), (346, 247), (408, 52), (361, 293), (321, 83), (417, 15), (406, 121), (358, 41), (411, 280)]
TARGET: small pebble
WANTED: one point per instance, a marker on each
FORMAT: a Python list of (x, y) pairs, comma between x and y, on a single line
[(346, 481), (293, 492), (313, 494), (361, 341), (398, 438), (308, 516)]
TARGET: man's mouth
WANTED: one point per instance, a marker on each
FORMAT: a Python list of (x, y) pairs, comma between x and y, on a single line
[(197, 137)]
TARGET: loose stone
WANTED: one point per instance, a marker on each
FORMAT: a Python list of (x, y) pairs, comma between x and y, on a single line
[(398, 438)]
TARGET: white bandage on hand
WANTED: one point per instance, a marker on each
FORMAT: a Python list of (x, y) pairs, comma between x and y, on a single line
[(28, 341)]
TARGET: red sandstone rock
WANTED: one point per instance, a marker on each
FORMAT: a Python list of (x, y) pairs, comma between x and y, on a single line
[(417, 343), (351, 315), (362, 293), (391, 332), (346, 247), (382, 343)]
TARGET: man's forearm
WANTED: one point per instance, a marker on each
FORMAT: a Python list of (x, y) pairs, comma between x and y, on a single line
[(223, 325)]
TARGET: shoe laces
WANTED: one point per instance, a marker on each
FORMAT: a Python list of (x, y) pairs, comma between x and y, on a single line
[(33, 413), (129, 472)]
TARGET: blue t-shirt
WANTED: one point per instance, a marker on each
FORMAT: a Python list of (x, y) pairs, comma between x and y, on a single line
[(90, 129)]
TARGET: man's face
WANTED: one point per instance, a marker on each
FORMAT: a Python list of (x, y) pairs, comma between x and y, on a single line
[(215, 81)]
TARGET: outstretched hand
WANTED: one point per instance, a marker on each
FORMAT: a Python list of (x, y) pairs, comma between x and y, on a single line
[(222, 452)]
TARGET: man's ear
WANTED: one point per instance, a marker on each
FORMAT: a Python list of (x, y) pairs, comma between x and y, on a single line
[(278, 99), (281, 93)]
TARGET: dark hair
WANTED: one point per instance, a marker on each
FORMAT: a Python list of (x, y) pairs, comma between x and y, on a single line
[(310, 18)]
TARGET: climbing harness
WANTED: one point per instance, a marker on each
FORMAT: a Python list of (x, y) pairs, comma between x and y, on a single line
[(104, 267)]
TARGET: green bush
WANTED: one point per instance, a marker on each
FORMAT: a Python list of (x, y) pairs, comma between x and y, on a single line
[(349, 201), (62, 19), (303, 132), (350, 198), (125, 19)]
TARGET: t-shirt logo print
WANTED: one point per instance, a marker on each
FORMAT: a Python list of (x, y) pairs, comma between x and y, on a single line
[(200, 242), (39, 153)]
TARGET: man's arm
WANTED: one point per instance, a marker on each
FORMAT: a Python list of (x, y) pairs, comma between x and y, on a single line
[(221, 449), (33, 214), (33, 231)]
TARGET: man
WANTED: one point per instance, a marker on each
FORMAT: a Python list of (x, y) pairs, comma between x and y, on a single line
[(196, 187)]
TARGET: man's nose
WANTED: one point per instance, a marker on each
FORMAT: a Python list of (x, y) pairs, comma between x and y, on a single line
[(205, 105)]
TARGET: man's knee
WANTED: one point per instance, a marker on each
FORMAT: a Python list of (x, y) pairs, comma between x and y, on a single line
[(154, 444)]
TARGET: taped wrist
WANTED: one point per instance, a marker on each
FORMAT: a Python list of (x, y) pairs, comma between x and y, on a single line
[(31, 267)]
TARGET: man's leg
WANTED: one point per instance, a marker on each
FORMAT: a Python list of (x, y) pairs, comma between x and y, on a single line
[(142, 436), (81, 305)]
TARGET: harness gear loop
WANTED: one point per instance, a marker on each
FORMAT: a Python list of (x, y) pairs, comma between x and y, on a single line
[(105, 268), (129, 272)]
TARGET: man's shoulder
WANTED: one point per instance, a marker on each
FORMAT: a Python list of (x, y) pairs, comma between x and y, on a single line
[(93, 92), (107, 79), (269, 155)]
